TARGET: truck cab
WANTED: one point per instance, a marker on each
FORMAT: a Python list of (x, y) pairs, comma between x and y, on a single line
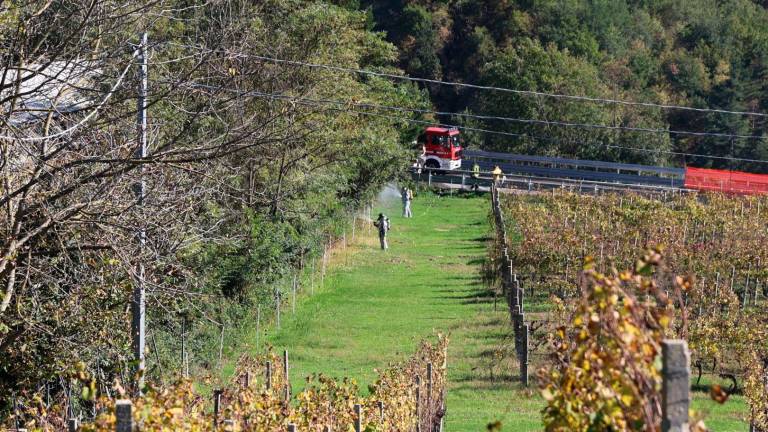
[(441, 148)]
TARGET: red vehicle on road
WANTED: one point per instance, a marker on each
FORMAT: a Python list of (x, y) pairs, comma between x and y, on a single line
[(441, 148)]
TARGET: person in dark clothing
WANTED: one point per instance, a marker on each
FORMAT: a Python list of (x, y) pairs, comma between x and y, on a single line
[(382, 223)]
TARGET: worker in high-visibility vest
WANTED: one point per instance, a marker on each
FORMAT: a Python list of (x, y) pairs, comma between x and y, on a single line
[(497, 173), (475, 176)]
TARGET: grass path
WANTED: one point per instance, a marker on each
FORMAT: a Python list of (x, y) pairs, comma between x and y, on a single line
[(376, 306)]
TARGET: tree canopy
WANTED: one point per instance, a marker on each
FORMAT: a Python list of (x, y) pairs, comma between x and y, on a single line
[(690, 53)]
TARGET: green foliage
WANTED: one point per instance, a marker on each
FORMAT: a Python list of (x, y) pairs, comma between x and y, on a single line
[(699, 53), (244, 221), (606, 376)]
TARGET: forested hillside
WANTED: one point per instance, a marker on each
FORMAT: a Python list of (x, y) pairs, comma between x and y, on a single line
[(692, 53), (243, 183)]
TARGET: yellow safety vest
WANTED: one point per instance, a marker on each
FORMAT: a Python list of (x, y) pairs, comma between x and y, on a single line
[(497, 174)]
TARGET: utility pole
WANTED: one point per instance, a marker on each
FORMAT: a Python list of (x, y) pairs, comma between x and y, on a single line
[(138, 311)]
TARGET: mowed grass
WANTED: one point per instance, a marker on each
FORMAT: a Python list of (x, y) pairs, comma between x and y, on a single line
[(375, 306)]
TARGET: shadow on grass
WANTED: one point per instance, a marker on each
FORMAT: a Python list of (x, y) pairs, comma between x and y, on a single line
[(483, 239), (500, 379), (472, 296)]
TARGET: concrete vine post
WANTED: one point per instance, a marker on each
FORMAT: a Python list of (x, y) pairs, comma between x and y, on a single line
[(216, 407), (258, 324), (287, 380), (429, 391), (524, 354), (123, 416), (358, 418), (312, 279), (277, 307), (418, 404), (184, 347), (675, 394)]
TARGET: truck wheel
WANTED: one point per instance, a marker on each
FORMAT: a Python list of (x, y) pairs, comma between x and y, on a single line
[(434, 166)]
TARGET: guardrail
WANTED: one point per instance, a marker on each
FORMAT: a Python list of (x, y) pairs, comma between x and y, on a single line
[(466, 180)]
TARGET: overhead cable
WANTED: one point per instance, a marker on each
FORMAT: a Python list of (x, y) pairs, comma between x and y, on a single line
[(497, 118), (342, 106), (482, 87)]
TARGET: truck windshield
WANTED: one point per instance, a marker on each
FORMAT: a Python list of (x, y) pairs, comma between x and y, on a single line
[(455, 141)]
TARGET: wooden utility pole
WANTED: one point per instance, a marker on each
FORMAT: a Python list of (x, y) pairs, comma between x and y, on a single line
[(138, 312)]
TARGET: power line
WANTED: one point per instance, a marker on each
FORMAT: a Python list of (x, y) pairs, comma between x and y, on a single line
[(483, 87), (487, 117), (325, 102)]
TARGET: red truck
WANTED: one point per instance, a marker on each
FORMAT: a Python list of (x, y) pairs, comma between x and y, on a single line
[(441, 148)]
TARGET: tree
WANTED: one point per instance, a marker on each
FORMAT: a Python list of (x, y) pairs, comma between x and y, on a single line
[(243, 160)]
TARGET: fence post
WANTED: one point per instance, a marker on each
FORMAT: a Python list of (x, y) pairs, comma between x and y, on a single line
[(518, 318), (517, 295), (429, 393), (312, 278), (418, 404), (358, 418), (268, 379), (183, 347), (291, 427), (216, 407), (124, 416), (675, 395), (524, 346), (258, 324), (277, 307), (72, 425), (285, 371), (380, 404)]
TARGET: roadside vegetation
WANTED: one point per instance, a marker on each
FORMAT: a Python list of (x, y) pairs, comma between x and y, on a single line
[(241, 191), (699, 53)]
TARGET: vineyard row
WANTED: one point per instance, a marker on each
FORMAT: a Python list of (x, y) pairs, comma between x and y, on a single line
[(551, 236)]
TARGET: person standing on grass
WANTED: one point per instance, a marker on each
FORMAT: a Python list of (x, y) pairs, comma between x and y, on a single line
[(407, 197), (475, 175), (382, 223)]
